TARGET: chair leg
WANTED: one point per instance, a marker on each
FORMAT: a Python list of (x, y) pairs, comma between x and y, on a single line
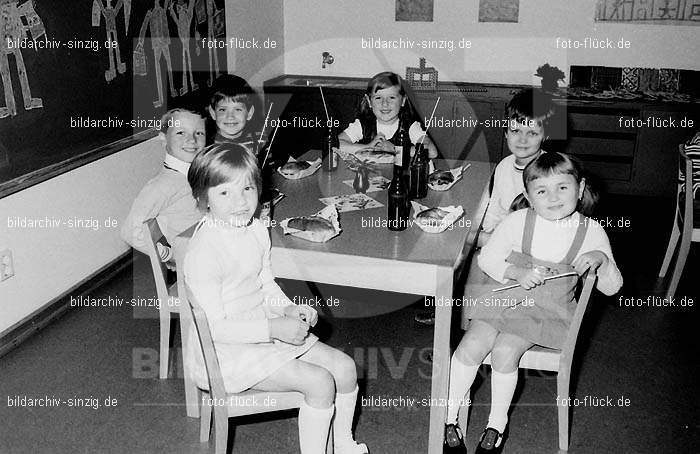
[(563, 410), (164, 343), (329, 445), (205, 421), (683, 251), (192, 393), (221, 428), (675, 234)]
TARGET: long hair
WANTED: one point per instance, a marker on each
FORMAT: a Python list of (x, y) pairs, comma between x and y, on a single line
[(367, 118)]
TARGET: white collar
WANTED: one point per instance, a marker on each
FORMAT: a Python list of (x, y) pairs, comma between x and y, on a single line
[(176, 164)]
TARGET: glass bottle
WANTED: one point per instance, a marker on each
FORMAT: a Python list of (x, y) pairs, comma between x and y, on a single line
[(419, 173), (398, 202), (329, 157), (406, 146)]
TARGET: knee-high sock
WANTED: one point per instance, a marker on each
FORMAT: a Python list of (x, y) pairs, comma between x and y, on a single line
[(461, 380), (313, 428), (502, 389), (344, 413)]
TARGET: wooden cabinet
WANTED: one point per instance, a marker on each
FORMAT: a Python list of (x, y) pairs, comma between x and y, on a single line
[(620, 144), (460, 123), (631, 146)]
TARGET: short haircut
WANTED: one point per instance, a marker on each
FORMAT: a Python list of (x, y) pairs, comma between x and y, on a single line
[(553, 163), (167, 120), (531, 104), (232, 87), (218, 164)]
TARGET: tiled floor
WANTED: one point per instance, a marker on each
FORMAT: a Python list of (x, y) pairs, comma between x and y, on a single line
[(645, 358)]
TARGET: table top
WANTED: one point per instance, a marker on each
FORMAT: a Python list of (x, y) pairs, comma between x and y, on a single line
[(362, 232)]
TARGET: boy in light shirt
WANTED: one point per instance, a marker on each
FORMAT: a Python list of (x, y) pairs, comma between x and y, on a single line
[(168, 196)]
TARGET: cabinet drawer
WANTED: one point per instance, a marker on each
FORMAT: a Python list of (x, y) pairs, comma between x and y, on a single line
[(603, 123), (593, 146), (618, 171)]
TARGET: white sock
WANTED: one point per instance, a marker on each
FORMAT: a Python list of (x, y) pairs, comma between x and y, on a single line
[(502, 389), (313, 428), (342, 425), (461, 380)]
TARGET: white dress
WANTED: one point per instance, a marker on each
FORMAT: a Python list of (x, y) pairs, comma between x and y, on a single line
[(228, 271)]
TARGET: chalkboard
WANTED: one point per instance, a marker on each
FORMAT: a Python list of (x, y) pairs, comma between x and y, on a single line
[(84, 96)]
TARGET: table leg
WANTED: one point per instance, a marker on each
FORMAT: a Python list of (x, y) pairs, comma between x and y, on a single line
[(441, 359)]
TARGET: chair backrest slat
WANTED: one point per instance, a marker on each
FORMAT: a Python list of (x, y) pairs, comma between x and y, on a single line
[(567, 352), (206, 345), (159, 269)]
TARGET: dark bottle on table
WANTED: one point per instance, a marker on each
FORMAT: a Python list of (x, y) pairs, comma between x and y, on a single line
[(405, 146), (419, 174), (329, 157), (398, 202)]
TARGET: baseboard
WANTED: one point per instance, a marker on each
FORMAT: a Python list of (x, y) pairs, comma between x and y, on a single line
[(39, 319)]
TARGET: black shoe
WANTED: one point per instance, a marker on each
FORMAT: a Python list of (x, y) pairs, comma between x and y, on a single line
[(454, 441), (491, 442), (426, 318)]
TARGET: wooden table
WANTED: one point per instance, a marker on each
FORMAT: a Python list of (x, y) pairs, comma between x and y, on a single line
[(410, 261)]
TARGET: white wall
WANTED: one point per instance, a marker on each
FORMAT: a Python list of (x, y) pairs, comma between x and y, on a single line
[(50, 260), (500, 53), (264, 21)]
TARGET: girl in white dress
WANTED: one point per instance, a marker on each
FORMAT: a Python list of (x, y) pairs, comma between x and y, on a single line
[(261, 337)]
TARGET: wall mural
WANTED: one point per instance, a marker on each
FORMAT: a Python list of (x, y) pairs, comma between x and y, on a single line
[(668, 12)]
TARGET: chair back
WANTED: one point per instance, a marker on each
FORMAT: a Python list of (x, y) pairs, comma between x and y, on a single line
[(160, 271), (690, 167), (215, 379), (567, 352)]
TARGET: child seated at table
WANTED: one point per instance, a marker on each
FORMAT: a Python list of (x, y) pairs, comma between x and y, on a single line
[(232, 107), (262, 338), (377, 125), (529, 114), (168, 197), (549, 239)]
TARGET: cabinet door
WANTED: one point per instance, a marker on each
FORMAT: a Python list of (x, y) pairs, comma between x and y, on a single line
[(479, 133), (303, 117), (442, 137), (655, 168)]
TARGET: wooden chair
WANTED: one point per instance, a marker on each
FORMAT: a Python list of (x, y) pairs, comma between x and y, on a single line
[(541, 358), (227, 405), (170, 303), (167, 294), (686, 223)]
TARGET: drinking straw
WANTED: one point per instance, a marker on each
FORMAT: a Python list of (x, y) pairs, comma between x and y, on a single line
[(265, 124), (570, 273), (430, 121), (270, 146), (323, 98)]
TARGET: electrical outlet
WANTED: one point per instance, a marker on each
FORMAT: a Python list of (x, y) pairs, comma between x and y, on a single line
[(7, 267)]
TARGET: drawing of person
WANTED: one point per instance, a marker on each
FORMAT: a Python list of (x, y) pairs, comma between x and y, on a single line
[(183, 18), (110, 15), (157, 20), (12, 29)]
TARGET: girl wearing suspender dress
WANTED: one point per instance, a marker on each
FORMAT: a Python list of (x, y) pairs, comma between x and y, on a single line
[(548, 239)]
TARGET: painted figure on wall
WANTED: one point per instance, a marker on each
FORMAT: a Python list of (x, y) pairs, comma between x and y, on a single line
[(110, 14), (183, 18), (211, 11), (12, 30), (157, 20)]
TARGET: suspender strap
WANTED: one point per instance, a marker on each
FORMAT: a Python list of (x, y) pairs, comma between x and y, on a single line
[(529, 231), (578, 239)]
